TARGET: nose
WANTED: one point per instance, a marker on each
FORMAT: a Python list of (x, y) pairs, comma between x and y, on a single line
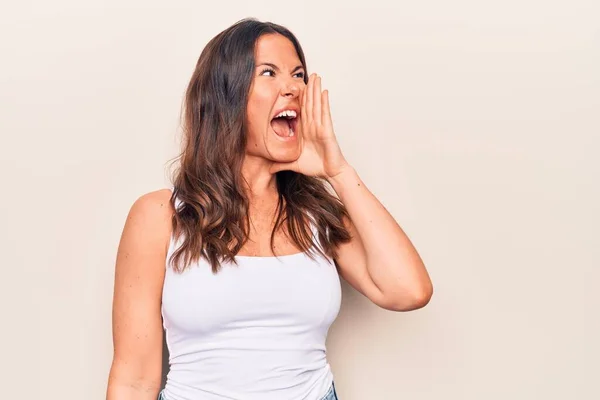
[(291, 89)]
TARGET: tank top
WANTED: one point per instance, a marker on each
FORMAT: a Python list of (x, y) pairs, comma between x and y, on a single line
[(255, 331)]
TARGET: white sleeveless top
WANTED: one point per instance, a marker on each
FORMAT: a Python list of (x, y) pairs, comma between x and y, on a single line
[(255, 331)]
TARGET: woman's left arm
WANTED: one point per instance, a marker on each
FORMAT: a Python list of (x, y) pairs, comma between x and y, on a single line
[(380, 261)]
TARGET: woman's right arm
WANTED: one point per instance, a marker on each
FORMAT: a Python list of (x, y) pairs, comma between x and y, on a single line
[(136, 370)]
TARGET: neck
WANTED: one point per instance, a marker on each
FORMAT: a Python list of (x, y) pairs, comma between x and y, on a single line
[(260, 183)]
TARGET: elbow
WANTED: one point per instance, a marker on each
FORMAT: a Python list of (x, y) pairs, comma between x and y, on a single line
[(133, 379), (414, 300), (422, 298)]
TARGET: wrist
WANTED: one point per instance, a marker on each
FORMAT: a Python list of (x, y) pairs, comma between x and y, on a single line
[(345, 172)]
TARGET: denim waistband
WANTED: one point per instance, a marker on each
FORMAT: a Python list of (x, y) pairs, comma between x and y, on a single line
[(330, 395)]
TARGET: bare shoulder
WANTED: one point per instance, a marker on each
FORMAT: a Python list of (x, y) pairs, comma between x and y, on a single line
[(147, 231), (155, 205), (150, 215)]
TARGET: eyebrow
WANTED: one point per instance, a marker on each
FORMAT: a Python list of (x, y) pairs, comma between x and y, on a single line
[(277, 68)]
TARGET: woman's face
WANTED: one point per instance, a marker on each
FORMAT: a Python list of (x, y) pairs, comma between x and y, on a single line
[(276, 87)]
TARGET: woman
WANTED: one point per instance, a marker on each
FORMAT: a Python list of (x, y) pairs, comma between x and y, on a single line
[(239, 262)]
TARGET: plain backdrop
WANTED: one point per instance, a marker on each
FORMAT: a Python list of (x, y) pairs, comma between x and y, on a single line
[(476, 123)]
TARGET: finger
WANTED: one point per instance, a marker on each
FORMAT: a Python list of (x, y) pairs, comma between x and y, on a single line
[(317, 100), (309, 99), (303, 106), (302, 119), (325, 110)]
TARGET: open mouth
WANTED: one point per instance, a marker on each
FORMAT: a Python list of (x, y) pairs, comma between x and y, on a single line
[(285, 124)]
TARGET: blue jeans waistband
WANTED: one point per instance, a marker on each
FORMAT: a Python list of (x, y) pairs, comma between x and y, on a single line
[(330, 395)]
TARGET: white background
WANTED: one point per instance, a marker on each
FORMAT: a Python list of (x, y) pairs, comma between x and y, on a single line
[(476, 124)]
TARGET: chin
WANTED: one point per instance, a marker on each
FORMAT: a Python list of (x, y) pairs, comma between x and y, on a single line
[(284, 155), (284, 149)]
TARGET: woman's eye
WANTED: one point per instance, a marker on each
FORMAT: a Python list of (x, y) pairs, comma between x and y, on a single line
[(267, 70), (271, 72)]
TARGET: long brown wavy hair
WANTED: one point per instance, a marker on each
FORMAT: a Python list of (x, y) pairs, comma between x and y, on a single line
[(211, 208)]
